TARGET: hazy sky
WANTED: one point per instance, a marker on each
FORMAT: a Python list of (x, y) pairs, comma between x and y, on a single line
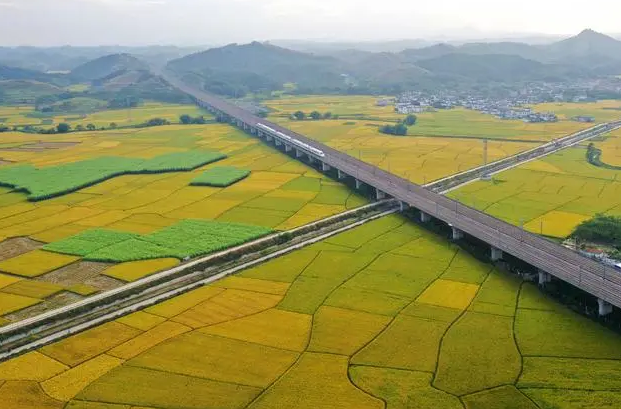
[(136, 22)]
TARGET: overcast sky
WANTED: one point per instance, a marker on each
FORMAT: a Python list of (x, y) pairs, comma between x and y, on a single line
[(201, 22)]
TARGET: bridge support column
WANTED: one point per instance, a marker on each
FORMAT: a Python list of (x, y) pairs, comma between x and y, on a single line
[(544, 278), (298, 153), (379, 195), (457, 234), (325, 167), (424, 217), (288, 148), (358, 184), (605, 308), (311, 159), (403, 206), (496, 254), (341, 174), (260, 134), (277, 142), (268, 138)]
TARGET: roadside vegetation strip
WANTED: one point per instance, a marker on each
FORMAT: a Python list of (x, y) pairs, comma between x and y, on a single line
[(221, 176), (47, 182)]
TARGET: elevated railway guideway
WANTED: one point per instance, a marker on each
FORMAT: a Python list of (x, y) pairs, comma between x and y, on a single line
[(551, 259)]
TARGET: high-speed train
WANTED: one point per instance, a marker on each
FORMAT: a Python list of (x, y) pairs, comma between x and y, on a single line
[(293, 141)]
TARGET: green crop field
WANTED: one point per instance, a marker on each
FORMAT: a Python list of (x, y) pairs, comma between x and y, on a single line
[(52, 181), (220, 177), (116, 205), (335, 325), (553, 195)]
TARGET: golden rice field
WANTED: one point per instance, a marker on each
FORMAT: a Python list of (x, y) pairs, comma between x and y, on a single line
[(280, 193), (384, 316), (12, 116), (441, 144), (553, 195)]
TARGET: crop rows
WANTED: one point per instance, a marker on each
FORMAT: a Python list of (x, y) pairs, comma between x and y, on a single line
[(221, 176), (45, 183), (186, 239)]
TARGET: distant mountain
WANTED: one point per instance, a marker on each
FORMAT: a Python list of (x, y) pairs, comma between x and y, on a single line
[(587, 44), (67, 58), (108, 65), (496, 67), (258, 66)]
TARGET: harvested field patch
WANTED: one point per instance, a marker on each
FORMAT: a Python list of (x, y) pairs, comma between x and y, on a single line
[(17, 246)]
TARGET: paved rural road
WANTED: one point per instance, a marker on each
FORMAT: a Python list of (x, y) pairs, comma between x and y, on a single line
[(595, 278)]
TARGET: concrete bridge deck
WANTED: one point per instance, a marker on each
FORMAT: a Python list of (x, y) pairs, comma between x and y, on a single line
[(550, 258)]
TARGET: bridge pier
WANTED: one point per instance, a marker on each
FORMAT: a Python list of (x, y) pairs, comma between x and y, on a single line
[(288, 148), (269, 138), (457, 234), (496, 254), (544, 278), (277, 142), (341, 174), (298, 153), (605, 308), (358, 184), (424, 217), (325, 167), (403, 206), (380, 195)]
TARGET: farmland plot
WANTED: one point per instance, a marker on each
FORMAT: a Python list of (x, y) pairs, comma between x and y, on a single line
[(255, 341)]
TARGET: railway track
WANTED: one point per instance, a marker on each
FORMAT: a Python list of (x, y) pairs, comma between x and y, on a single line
[(35, 332)]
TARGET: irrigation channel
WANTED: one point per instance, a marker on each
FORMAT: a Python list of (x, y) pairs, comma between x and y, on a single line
[(35, 332)]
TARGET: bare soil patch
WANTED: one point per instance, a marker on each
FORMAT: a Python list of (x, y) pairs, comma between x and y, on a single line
[(17, 246)]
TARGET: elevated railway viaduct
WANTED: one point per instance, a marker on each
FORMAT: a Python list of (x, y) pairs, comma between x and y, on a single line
[(551, 259)]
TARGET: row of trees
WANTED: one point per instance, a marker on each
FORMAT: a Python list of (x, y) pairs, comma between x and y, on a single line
[(315, 116), (64, 127), (400, 129)]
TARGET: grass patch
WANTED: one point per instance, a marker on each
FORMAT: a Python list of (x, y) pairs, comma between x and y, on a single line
[(221, 176), (45, 183), (188, 238)]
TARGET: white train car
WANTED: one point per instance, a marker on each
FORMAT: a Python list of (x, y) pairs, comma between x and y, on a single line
[(293, 141)]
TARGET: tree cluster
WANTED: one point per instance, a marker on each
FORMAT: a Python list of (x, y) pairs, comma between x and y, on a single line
[(315, 116), (400, 129), (601, 229), (189, 120)]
